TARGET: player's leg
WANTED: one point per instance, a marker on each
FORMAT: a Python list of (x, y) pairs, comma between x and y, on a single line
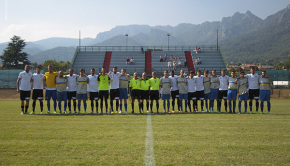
[(54, 99), (47, 98), (92, 102), (79, 104), (112, 97), (173, 100), (106, 95), (168, 106), (117, 97), (85, 104), (240, 105), (246, 105)]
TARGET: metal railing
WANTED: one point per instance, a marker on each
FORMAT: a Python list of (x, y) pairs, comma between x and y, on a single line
[(146, 48)]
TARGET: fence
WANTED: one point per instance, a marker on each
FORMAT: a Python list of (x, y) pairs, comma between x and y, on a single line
[(145, 48)]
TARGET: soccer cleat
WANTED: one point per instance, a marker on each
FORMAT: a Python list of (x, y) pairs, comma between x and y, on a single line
[(41, 112), (54, 112), (92, 112), (246, 112), (120, 112), (126, 112), (202, 111), (22, 112), (79, 112), (32, 113), (48, 112), (157, 112), (75, 112), (59, 112), (257, 112), (250, 112), (269, 113), (132, 112), (151, 112), (261, 112), (239, 113), (168, 111), (26, 112), (69, 112), (211, 111), (101, 112), (196, 110), (164, 111), (64, 112)]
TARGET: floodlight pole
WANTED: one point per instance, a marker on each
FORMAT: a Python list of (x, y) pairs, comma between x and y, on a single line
[(217, 39), (168, 34), (126, 42)]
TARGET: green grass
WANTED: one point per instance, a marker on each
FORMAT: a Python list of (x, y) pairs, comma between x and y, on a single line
[(179, 139)]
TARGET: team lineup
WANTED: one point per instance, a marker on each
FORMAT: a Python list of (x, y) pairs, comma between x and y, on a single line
[(71, 89)]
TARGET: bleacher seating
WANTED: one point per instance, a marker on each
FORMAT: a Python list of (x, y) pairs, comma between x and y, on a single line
[(209, 60), (95, 59)]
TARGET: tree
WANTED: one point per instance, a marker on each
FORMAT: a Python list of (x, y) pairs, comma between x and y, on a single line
[(13, 57), (57, 65)]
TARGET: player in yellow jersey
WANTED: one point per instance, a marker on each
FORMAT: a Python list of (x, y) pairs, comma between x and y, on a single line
[(135, 87), (50, 87), (154, 83)]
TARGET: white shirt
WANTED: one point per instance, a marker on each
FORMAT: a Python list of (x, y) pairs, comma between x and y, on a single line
[(224, 82), (25, 81), (191, 84), (72, 83), (93, 83), (174, 83), (199, 83), (253, 80), (115, 80), (37, 81)]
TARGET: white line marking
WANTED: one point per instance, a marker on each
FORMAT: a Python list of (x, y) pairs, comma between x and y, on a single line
[(149, 152)]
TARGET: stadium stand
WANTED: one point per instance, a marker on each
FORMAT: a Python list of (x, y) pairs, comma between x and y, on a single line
[(94, 56)]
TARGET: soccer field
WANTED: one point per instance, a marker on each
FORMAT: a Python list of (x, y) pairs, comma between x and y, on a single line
[(158, 139)]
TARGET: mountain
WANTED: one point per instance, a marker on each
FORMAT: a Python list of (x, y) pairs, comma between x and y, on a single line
[(58, 54), (62, 42), (269, 43)]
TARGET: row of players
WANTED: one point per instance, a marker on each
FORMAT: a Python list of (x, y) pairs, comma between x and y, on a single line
[(73, 87)]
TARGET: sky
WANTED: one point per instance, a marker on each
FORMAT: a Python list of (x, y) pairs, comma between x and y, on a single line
[(34, 20)]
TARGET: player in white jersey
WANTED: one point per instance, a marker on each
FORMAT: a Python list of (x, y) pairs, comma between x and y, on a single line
[(266, 90), (223, 89), (24, 79), (165, 85), (232, 92), (183, 92), (94, 90), (82, 81), (114, 88), (37, 94), (191, 83), (72, 89), (207, 93), (254, 92), (174, 91), (214, 89), (61, 87), (243, 94), (199, 89)]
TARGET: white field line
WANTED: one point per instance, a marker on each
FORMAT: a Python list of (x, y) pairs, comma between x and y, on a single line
[(149, 147)]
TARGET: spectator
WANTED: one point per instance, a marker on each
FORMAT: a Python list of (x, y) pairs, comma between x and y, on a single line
[(185, 63), (199, 60), (142, 50), (174, 65), (196, 62), (169, 64), (171, 57), (179, 63), (161, 59), (196, 50), (175, 57), (165, 57), (132, 61), (127, 61)]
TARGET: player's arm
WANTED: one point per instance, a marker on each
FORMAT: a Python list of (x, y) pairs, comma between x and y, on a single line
[(271, 85), (17, 84)]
